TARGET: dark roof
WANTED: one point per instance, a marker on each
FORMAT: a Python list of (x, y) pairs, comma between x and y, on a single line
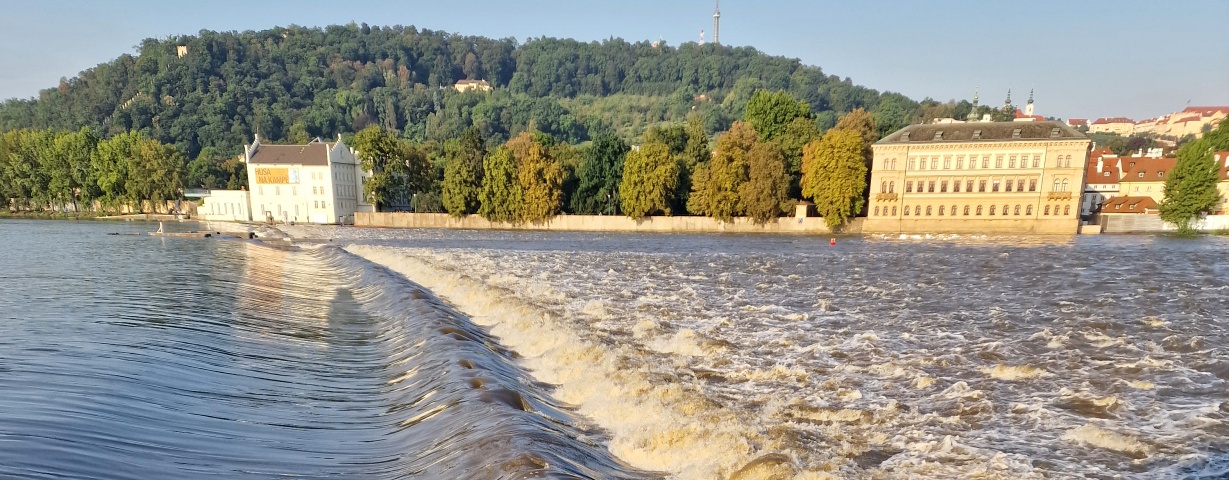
[(313, 154), (985, 131)]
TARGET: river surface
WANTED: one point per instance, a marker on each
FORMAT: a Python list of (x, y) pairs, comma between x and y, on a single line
[(493, 354)]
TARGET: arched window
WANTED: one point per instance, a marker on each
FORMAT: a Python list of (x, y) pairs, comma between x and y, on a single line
[(953, 210), (876, 211), (928, 212), (1004, 209), (1047, 210), (992, 210), (917, 210), (1065, 186), (1028, 210), (966, 210), (1067, 162), (1067, 210), (906, 211), (1016, 211), (892, 187), (893, 211), (883, 187), (979, 210), (940, 210), (1057, 184)]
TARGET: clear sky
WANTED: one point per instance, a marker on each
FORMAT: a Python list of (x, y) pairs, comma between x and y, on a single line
[(1134, 58)]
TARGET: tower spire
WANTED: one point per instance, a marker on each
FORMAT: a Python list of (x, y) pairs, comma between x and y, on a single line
[(973, 111), (1008, 102), (717, 23)]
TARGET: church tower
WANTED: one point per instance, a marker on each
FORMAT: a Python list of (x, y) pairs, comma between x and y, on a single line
[(973, 111), (717, 24), (1028, 109)]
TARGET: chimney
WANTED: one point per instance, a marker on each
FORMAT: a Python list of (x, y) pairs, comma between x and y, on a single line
[(1100, 164)]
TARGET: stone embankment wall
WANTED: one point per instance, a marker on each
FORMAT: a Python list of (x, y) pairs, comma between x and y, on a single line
[(603, 223), (1136, 223)]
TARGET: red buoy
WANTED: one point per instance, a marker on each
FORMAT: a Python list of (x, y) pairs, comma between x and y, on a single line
[(832, 242)]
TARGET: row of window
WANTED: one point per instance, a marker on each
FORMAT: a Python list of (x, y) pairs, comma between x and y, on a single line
[(1007, 210), (1012, 161), (995, 185)]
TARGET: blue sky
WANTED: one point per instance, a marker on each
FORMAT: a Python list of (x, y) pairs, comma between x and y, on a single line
[(1130, 58)]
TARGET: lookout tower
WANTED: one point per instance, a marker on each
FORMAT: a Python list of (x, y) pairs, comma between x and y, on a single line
[(717, 24)]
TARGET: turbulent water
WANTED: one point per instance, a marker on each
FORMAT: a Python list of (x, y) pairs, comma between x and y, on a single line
[(728, 356), (138, 357)]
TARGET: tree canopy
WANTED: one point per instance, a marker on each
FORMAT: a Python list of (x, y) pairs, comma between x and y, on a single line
[(1190, 189), (834, 175)]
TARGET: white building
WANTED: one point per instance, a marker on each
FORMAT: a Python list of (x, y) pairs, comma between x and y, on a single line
[(319, 182)]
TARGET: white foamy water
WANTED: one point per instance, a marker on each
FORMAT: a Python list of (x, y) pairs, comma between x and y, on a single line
[(780, 357)]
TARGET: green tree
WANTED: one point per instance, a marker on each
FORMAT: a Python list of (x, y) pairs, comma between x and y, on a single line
[(541, 181), (834, 175), (1190, 189), (650, 179), (765, 195), (398, 168), (599, 176), (463, 176), (500, 199), (770, 113), (715, 187)]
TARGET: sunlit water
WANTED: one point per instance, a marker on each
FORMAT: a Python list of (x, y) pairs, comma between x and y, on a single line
[(711, 356), (125, 356)]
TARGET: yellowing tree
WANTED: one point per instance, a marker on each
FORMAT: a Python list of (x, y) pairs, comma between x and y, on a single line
[(834, 175), (715, 188), (541, 181), (765, 195), (650, 176)]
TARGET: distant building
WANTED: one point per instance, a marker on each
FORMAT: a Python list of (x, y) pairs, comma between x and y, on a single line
[(472, 85), (1144, 176), (1129, 205), (1119, 125), (1100, 180), (1077, 122), (181, 50), (979, 177), (318, 182), (1190, 121)]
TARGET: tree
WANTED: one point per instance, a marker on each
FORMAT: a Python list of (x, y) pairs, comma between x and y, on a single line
[(1190, 190), (398, 168), (650, 178), (765, 195), (715, 188), (463, 176), (600, 175), (541, 181), (500, 199), (769, 113), (861, 122), (834, 175)]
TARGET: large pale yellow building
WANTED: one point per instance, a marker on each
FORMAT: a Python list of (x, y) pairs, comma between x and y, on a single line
[(978, 177)]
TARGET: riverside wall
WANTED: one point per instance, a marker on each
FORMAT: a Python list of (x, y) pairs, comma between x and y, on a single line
[(604, 223)]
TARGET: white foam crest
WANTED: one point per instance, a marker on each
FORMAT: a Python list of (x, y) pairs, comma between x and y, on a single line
[(1093, 435)]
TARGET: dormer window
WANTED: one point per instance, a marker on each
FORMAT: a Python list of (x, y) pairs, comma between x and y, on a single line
[(976, 134), (1106, 174), (904, 137), (1160, 174), (1054, 133), (1141, 174), (1015, 133), (939, 135)]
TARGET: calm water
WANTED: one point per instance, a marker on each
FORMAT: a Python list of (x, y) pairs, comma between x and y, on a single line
[(883, 357), (139, 357)]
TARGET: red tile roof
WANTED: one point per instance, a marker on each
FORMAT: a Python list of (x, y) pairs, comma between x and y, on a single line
[(1146, 169), (1077, 121), (1128, 204), (1205, 111), (1109, 120)]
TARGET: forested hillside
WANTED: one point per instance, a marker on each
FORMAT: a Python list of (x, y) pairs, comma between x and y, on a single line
[(295, 83)]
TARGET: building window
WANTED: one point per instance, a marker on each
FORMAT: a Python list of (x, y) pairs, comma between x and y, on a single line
[(985, 161), (960, 162), (1047, 210), (1067, 210), (912, 164), (917, 211), (968, 186), (995, 186), (947, 162), (876, 211), (934, 163), (1020, 185), (906, 211), (931, 188), (956, 186), (893, 211), (892, 187), (981, 186), (909, 186), (1057, 184), (921, 165), (1068, 161), (1011, 162), (883, 187), (1008, 186), (966, 210), (992, 210), (1036, 161), (1065, 187), (277, 190), (940, 210), (1016, 211), (928, 210), (943, 186), (998, 161), (953, 210), (1028, 210), (1005, 210)]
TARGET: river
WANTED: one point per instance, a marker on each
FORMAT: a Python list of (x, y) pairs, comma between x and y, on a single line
[(498, 354)]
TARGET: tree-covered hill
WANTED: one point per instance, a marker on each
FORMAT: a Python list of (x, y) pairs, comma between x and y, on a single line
[(294, 83)]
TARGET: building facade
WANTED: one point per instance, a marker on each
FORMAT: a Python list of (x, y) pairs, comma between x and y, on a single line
[(978, 177), (319, 182)]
